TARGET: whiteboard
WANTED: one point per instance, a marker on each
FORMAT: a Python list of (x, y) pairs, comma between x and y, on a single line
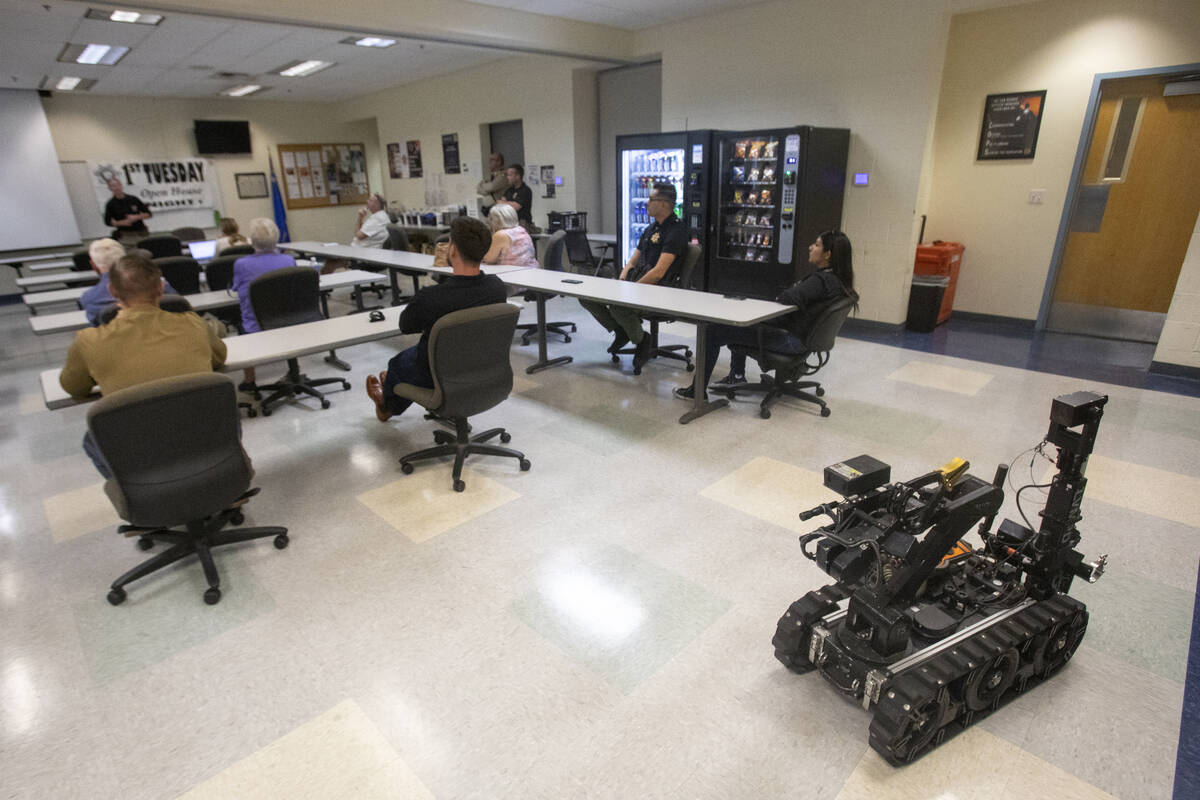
[(33, 203), (89, 214)]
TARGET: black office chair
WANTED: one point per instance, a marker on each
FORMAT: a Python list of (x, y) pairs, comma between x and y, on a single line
[(789, 368), (218, 272), (161, 245), (191, 472), (397, 238), (579, 253), (189, 234), (552, 262), (680, 352), (168, 302), (182, 272), (282, 297), (81, 261), (469, 359), (238, 250)]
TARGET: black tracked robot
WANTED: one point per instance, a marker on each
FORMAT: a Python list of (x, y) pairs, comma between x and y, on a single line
[(933, 633)]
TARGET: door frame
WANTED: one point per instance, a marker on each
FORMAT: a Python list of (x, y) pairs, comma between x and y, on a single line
[(1085, 138)]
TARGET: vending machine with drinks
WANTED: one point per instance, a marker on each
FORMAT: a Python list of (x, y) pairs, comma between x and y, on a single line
[(681, 159), (774, 192)]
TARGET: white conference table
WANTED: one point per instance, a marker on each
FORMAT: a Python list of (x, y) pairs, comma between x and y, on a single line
[(34, 281), (56, 264), (395, 261), (203, 301), (36, 257), (265, 347), (701, 308)]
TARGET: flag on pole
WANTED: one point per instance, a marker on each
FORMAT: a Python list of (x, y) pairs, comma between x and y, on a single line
[(277, 203)]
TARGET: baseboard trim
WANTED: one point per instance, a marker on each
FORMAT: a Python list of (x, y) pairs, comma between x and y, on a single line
[(1175, 370), (853, 325), (995, 319)]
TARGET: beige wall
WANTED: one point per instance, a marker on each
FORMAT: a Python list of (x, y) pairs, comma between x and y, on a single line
[(868, 66), (97, 128), (538, 90), (1058, 46), (1180, 339)]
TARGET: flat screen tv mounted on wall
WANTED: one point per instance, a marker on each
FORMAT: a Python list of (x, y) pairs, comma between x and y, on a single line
[(215, 136)]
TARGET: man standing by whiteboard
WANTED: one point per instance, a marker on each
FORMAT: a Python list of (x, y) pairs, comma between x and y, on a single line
[(124, 211)]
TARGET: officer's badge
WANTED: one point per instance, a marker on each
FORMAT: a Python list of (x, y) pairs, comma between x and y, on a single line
[(654, 237)]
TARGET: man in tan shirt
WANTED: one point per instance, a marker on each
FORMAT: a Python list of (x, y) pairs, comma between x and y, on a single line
[(142, 343), (491, 188)]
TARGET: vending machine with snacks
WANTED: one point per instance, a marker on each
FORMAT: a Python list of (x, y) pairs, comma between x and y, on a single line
[(774, 192), (681, 159)]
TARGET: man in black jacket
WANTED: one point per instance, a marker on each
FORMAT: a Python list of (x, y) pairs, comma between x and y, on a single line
[(466, 288), (126, 213), (519, 195)]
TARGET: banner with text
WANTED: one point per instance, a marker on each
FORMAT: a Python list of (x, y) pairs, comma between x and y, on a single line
[(179, 185)]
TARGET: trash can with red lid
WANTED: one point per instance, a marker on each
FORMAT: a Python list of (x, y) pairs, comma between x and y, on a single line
[(944, 259)]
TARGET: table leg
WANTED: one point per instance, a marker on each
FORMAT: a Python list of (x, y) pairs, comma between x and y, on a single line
[(392, 273), (542, 362), (700, 406), (333, 359), (325, 304)]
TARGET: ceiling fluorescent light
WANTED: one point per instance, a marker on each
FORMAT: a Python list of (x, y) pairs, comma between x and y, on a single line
[(92, 54), (124, 16), (241, 91), (67, 84), (301, 69), (374, 41)]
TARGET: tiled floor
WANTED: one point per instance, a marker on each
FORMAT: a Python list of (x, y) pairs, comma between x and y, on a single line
[(596, 627)]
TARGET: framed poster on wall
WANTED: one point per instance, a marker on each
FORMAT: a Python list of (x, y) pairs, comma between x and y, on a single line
[(251, 185), (1011, 122)]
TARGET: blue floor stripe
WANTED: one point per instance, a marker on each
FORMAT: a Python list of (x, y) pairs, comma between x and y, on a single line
[(1187, 758)]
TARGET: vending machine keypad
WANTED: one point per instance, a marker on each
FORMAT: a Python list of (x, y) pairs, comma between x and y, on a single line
[(787, 216)]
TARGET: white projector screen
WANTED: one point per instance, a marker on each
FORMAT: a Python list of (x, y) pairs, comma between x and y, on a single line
[(33, 203)]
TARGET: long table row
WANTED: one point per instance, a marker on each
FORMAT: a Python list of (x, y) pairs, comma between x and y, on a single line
[(700, 308)]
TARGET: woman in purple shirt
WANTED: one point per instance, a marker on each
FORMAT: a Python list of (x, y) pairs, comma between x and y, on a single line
[(264, 236)]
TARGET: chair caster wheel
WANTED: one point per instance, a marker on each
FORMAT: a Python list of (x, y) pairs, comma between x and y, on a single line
[(346, 385), (691, 367), (266, 412), (459, 486), (116, 596), (616, 359), (212, 596), (324, 404), (566, 339), (573, 329), (407, 469), (145, 543), (251, 413), (505, 437), (525, 465), (765, 413), (825, 411), (237, 518), (819, 391), (281, 541), (637, 371)]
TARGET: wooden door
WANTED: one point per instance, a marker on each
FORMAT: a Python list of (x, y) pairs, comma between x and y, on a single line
[(1125, 249)]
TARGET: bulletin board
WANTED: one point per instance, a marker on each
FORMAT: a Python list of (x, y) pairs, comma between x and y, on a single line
[(321, 175)]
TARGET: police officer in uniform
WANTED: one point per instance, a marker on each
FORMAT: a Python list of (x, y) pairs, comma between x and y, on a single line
[(124, 211), (657, 259)]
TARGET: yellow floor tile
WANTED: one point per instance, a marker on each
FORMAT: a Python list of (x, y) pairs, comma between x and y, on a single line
[(772, 491), (340, 754), (975, 765), (424, 504), (1157, 492), (79, 511), (937, 376)]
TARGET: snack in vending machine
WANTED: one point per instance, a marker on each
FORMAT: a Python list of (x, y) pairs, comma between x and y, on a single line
[(739, 196), (770, 148), (753, 175), (768, 174), (762, 256), (764, 197), (739, 174), (766, 239), (739, 149), (765, 220), (755, 150), (752, 198)]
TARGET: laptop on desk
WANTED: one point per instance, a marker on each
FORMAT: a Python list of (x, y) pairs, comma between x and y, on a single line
[(204, 250)]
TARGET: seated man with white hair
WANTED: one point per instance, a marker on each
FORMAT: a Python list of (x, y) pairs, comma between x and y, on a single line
[(371, 226), (103, 254)]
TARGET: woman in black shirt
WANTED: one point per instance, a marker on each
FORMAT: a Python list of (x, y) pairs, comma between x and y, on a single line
[(834, 277)]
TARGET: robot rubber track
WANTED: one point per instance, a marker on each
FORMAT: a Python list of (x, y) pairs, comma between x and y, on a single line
[(936, 698)]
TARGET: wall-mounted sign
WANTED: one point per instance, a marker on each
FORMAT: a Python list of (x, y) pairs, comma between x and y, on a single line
[(450, 153), (1010, 125)]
